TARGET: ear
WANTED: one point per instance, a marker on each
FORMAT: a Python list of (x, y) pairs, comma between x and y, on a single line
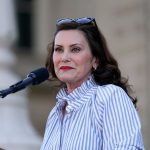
[(95, 62)]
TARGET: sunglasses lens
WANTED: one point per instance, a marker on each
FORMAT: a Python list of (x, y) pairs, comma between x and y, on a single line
[(64, 20), (80, 21), (84, 20)]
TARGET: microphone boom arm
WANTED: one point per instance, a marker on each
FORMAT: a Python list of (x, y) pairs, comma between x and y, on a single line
[(35, 77), (16, 87)]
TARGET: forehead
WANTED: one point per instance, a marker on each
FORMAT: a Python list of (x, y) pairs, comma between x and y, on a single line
[(70, 36)]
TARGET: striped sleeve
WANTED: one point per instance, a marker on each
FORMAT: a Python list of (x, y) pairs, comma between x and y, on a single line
[(118, 119)]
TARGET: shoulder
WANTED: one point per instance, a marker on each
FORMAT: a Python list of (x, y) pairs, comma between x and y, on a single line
[(111, 94), (106, 91), (109, 88)]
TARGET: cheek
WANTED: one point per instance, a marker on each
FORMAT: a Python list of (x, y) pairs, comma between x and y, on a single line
[(56, 63), (55, 60), (85, 63)]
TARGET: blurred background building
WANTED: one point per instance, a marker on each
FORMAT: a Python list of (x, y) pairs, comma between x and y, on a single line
[(126, 26)]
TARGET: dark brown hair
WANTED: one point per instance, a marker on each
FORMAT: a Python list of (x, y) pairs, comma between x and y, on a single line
[(107, 71)]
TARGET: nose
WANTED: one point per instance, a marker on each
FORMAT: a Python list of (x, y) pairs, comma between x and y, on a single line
[(66, 57)]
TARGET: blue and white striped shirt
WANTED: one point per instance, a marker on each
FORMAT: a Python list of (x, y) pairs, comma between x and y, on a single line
[(96, 118)]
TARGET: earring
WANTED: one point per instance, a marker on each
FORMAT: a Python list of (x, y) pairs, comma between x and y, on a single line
[(94, 67)]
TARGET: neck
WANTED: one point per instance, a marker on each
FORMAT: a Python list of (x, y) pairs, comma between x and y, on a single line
[(73, 86)]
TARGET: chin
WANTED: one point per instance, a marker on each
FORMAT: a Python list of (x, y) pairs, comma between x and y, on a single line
[(66, 79)]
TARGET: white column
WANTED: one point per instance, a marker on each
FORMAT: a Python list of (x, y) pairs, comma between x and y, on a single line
[(16, 131)]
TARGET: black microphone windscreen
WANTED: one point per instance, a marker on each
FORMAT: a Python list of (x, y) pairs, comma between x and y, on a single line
[(39, 75)]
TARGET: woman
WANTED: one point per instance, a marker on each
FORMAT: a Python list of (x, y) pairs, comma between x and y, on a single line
[(94, 109)]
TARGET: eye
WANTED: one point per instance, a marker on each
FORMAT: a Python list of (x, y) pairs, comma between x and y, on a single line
[(76, 49), (58, 49)]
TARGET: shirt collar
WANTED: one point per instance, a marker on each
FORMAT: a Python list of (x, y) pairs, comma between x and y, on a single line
[(77, 97)]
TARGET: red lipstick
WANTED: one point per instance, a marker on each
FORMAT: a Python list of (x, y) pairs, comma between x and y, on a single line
[(66, 68)]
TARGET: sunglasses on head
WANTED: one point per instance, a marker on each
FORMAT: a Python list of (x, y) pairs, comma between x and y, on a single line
[(79, 21)]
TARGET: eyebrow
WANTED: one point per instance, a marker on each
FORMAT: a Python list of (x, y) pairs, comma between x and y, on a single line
[(57, 45), (76, 44), (70, 45)]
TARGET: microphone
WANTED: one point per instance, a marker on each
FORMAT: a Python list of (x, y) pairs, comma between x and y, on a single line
[(33, 78)]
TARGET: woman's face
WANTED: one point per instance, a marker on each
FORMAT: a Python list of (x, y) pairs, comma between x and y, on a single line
[(72, 58)]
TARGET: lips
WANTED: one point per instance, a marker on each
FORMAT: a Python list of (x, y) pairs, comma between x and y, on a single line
[(66, 68)]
